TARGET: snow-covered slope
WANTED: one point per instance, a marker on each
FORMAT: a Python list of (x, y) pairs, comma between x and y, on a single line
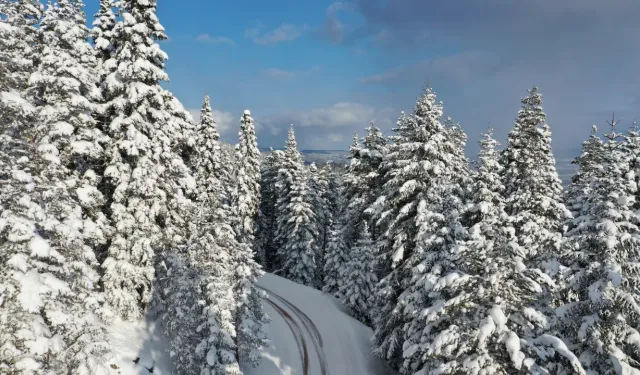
[(311, 333), (332, 338), (140, 348)]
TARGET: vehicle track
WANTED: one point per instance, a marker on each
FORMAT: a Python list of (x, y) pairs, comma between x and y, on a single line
[(311, 328), (297, 334)]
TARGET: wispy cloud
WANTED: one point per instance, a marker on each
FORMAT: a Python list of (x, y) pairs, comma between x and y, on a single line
[(327, 127), (281, 74), (209, 39), (283, 33), (333, 29), (458, 68)]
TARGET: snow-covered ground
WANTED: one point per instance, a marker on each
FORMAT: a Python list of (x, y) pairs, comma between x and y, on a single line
[(307, 326), (342, 341), (139, 349)]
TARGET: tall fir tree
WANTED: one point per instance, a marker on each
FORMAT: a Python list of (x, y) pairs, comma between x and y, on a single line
[(268, 214), (344, 230), (357, 291), (578, 192), (248, 180), (411, 210), (198, 290), (49, 279), (102, 32), (478, 316), (249, 316), (207, 165), (533, 190), (296, 235), (600, 314), (318, 185), (141, 163)]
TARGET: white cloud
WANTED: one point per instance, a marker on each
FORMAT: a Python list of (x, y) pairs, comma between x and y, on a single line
[(225, 121), (343, 115), (283, 33), (206, 38), (333, 29), (326, 128), (282, 74)]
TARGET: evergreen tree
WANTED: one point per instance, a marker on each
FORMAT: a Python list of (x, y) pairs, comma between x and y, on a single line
[(207, 165), (358, 289), (19, 42), (103, 33), (199, 281), (318, 185), (344, 231), (599, 319), (412, 211), (335, 258), (48, 287), (478, 316), (296, 235), (533, 190), (248, 180), (141, 168), (267, 214), (64, 89), (579, 190), (199, 319), (249, 315)]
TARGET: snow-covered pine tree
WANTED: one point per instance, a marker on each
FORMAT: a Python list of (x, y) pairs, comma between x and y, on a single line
[(334, 203), (19, 42), (533, 190), (248, 180), (578, 191), (599, 319), (296, 235), (318, 185), (458, 139), (139, 173), (478, 316), (344, 231), (50, 296), (64, 88), (198, 282), (18, 49), (218, 331), (358, 288), (249, 316), (199, 298), (175, 147), (102, 33), (416, 168), (267, 214), (206, 166), (361, 186), (421, 207), (335, 258), (230, 166), (631, 149)]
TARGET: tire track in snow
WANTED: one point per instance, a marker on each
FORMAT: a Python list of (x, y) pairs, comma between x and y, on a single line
[(297, 334), (314, 332)]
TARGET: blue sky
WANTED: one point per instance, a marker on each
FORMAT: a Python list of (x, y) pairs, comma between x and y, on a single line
[(332, 67)]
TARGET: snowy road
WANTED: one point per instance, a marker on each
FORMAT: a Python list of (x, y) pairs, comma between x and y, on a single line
[(312, 334)]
